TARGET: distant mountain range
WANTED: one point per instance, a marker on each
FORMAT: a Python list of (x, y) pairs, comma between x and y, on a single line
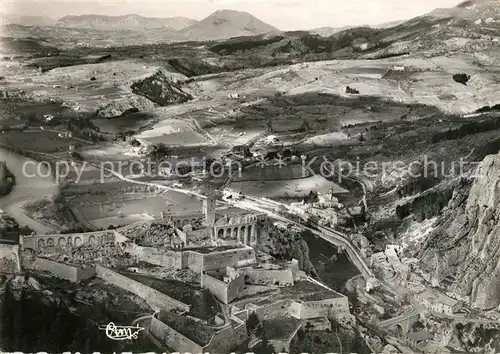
[(466, 20), (328, 31), (9, 19), (127, 22), (221, 24)]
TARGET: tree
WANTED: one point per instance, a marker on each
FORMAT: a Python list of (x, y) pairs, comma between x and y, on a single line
[(157, 152), (253, 322), (265, 347), (461, 78)]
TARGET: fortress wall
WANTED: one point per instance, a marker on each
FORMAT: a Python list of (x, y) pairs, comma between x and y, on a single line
[(227, 339), (323, 308), (154, 298), (9, 258), (271, 173), (282, 277), (273, 310), (225, 292), (173, 339), (193, 261), (234, 258), (65, 271), (85, 273), (157, 257)]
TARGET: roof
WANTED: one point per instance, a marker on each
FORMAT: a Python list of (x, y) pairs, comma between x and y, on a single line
[(419, 336)]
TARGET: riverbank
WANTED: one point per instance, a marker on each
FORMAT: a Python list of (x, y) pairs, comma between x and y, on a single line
[(32, 182), (7, 180)]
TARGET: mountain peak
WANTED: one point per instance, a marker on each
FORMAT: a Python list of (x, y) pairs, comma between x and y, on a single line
[(224, 24)]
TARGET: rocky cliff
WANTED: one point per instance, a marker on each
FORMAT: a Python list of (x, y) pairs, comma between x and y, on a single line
[(161, 90), (466, 245)]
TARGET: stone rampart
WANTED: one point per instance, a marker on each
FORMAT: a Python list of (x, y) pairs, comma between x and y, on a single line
[(223, 341), (173, 339), (280, 277), (154, 298), (322, 308), (224, 292), (69, 272)]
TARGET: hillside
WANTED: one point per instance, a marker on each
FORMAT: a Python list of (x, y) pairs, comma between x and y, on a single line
[(9, 19), (127, 22), (225, 24)]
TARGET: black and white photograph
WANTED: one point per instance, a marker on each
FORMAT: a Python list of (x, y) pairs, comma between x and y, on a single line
[(250, 176)]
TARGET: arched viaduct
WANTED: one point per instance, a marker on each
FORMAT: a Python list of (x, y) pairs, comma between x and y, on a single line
[(245, 229), (404, 322), (45, 242)]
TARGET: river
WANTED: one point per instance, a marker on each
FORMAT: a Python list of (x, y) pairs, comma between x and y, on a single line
[(32, 183), (333, 273)]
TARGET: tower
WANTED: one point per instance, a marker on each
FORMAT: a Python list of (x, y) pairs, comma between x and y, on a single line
[(209, 210)]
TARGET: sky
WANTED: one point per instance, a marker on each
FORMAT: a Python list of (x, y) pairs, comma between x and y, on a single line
[(283, 14)]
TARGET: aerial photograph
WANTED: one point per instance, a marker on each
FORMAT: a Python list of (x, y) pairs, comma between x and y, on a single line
[(250, 176)]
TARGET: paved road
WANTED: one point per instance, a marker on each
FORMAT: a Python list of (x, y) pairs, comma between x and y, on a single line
[(330, 235)]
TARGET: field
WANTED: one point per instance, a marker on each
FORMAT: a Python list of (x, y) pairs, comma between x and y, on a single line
[(121, 124), (288, 188), (40, 141), (140, 205), (179, 139), (128, 208)]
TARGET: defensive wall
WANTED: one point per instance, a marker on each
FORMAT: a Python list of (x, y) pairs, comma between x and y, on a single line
[(271, 310), (66, 271), (302, 310), (196, 261), (224, 291), (332, 307), (279, 277), (10, 261), (153, 298), (223, 341)]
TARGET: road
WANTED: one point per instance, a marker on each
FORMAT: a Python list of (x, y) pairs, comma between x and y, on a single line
[(395, 320), (337, 238)]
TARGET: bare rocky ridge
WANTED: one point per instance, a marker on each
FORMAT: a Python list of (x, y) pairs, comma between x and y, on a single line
[(127, 22), (161, 90), (467, 245)]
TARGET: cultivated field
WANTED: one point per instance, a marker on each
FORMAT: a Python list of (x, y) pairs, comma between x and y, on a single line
[(288, 188)]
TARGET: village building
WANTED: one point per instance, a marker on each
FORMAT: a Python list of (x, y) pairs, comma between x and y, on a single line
[(436, 301)]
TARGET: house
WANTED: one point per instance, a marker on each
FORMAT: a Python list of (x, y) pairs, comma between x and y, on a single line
[(436, 301)]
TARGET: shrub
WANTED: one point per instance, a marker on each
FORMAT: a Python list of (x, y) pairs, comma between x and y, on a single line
[(461, 78), (351, 91)]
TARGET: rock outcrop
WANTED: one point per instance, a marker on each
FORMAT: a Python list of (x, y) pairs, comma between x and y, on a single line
[(467, 244), (161, 90)]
